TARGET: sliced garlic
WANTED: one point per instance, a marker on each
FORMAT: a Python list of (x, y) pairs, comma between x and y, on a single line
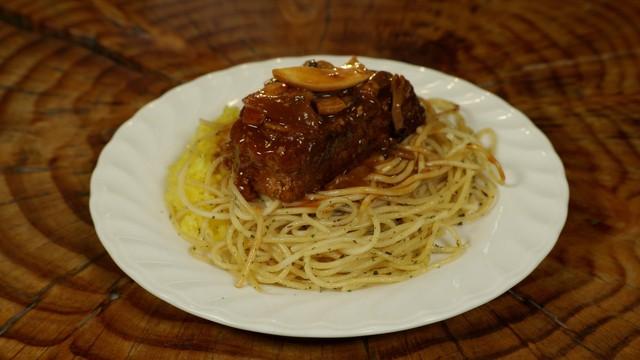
[(317, 79), (330, 105)]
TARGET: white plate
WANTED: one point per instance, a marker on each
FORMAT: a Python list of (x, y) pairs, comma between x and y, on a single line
[(129, 214)]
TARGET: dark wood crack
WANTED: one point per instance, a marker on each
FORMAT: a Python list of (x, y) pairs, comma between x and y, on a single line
[(91, 44), (42, 292), (575, 337)]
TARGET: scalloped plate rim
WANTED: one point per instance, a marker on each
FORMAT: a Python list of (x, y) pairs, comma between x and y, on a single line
[(369, 328)]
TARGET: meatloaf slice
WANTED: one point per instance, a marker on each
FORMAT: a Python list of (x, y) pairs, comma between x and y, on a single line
[(290, 141)]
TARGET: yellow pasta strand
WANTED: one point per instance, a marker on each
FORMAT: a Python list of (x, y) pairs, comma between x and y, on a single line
[(400, 225)]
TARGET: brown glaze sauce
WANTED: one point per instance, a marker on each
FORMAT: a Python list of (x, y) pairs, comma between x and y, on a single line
[(290, 141), (356, 176)]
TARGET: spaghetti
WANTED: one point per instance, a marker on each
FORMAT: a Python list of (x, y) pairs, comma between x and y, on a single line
[(402, 223)]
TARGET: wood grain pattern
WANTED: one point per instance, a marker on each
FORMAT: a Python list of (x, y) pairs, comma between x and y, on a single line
[(71, 71)]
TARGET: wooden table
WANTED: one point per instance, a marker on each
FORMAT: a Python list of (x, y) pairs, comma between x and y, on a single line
[(71, 71)]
